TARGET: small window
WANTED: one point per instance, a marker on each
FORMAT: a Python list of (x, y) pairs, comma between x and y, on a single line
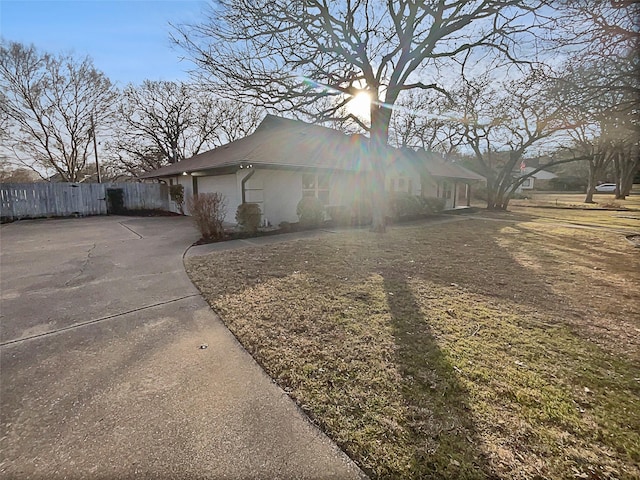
[(401, 184), (308, 181), (316, 185)]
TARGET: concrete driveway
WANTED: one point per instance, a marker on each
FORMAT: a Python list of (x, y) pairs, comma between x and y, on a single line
[(102, 374)]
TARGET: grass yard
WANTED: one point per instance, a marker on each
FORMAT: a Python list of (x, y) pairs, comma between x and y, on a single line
[(606, 200), (506, 347)]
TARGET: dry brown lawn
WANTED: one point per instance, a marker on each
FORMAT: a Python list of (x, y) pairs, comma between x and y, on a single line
[(502, 347)]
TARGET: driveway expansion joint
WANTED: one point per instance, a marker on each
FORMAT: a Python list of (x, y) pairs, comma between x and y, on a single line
[(131, 230), (91, 322)]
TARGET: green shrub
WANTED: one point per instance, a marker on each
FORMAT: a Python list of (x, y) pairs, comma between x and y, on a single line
[(208, 211), (310, 212), (248, 216), (403, 204), (176, 192), (362, 212), (433, 204), (340, 214)]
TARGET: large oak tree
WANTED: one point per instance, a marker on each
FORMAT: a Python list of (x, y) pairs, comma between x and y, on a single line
[(288, 54)]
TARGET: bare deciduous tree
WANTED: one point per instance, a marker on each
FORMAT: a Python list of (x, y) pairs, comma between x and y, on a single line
[(595, 27), (165, 122), (602, 120), (288, 54), (428, 122), (501, 124), (600, 85), (49, 101)]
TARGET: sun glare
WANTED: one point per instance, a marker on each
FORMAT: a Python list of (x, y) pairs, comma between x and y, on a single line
[(360, 105)]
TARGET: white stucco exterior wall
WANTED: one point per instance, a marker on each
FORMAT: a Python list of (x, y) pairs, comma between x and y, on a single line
[(276, 191), (282, 192), (225, 185)]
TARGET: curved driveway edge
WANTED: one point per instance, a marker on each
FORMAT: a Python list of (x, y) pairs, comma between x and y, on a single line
[(102, 371)]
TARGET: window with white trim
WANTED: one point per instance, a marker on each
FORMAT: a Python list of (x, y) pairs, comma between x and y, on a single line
[(316, 185)]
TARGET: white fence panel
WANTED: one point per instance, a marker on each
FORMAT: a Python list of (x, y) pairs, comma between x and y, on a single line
[(36, 200), (144, 196)]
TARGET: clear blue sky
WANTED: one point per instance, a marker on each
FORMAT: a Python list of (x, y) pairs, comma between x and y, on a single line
[(127, 39)]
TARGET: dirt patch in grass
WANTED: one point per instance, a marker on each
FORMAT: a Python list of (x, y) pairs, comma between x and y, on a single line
[(498, 348)]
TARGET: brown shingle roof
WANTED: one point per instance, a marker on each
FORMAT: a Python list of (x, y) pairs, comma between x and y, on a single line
[(280, 142), (437, 166)]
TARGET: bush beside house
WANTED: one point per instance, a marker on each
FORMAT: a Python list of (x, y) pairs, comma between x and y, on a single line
[(208, 211), (403, 205), (310, 212), (248, 217)]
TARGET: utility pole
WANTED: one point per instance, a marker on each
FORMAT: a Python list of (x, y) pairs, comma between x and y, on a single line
[(95, 148)]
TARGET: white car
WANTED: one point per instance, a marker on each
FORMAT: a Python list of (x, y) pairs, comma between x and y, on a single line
[(606, 188)]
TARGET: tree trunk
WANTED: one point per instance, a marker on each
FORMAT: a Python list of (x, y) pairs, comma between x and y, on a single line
[(619, 175), (501, 200), (626, 166), (378, 200), (627, 182), (591, 184), (380, 118), (491, 194)]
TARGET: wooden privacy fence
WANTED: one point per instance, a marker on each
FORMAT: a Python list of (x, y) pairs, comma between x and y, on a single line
[(35, 200)]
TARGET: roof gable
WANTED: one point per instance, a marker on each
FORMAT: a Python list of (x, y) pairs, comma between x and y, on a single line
[(280, 142), (284, 143)]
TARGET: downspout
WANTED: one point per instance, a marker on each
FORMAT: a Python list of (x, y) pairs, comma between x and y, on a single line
[(244, 181)]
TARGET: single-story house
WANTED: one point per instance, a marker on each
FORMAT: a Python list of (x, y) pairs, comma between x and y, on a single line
[(540, 177), (447, 180), (284, 160)]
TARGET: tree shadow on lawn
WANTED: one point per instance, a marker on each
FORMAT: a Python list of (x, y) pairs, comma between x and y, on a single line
[(528, 364), (584, 281), (429, 352), (438, 417)]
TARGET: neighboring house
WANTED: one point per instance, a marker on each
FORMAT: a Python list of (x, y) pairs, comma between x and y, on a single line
[(541, 178), (284, 160)]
